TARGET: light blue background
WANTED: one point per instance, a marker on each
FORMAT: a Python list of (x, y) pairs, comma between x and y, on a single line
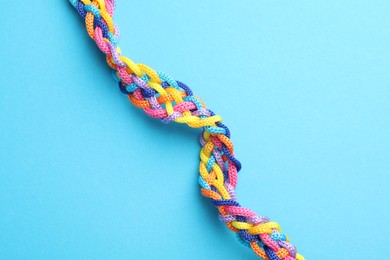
[(303, 85)]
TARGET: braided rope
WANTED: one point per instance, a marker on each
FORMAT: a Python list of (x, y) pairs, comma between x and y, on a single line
[(160, 96)]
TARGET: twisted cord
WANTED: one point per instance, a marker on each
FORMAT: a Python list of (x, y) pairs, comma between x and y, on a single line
[(160, 96)]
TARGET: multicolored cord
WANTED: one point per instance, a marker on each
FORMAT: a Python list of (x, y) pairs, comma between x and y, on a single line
[(160, 96)]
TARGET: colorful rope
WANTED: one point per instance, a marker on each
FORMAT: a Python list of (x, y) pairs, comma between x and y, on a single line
[(160, 96)]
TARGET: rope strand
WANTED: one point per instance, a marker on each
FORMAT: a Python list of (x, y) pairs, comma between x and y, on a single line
[(160, 96)]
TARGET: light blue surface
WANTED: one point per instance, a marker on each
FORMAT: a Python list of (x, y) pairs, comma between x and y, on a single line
[(303, 85)]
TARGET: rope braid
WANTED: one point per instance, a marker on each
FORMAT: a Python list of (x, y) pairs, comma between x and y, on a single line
[(160, 96)]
